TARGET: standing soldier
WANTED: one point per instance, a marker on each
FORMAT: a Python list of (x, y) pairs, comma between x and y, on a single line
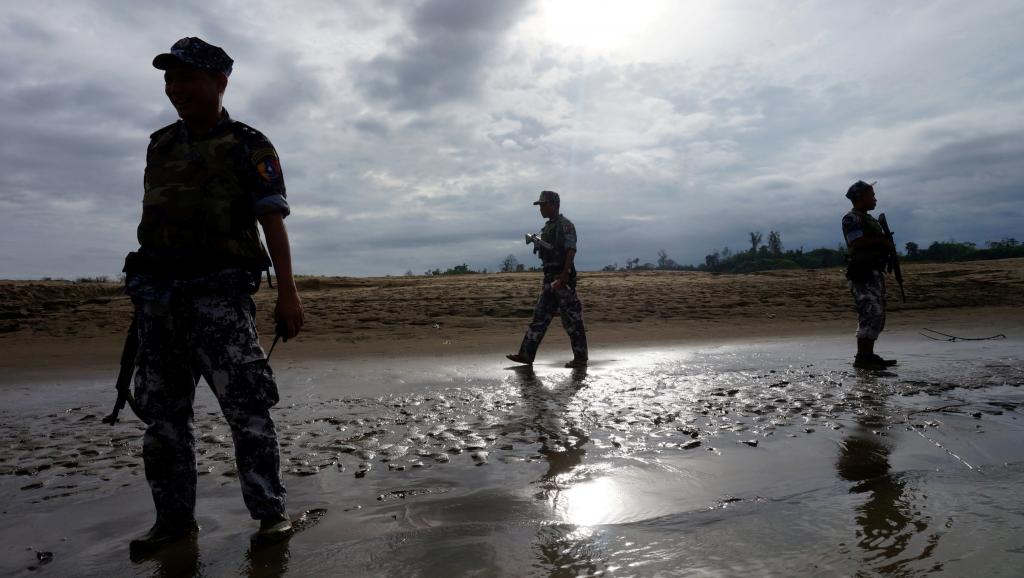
[(869, 251), (208, 180), (559, 289)]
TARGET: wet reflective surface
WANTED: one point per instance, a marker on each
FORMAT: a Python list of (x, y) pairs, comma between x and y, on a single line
[(759, 459)]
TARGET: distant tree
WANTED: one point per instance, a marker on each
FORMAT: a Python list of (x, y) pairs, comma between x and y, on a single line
[(510, 264), (409, 273), (1006, 243), (462, 269), (774, 243), (632, 263), (665, 263), (520, 268), (614, 267), (913, 250), (712, 261), (755, 240)]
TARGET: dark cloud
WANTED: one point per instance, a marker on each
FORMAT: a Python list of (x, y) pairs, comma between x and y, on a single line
[(444, 54), (424, 148)]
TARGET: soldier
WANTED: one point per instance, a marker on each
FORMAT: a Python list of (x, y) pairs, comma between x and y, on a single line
[(869, 251), (208, 180), (559, 290)]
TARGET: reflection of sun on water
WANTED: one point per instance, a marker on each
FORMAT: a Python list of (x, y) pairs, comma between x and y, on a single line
[(588, 503)]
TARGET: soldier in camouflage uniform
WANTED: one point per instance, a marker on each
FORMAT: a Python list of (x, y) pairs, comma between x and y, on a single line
[(869, 251), (559, 289), (209, 179)]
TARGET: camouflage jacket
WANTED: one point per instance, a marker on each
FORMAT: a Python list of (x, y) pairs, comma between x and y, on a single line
[(561, 234), (202, 197), (858, 224)]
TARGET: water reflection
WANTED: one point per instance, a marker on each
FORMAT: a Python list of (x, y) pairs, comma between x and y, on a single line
[(180, 558), (560, 434), (267, 559), (886, 522), (563, 549)]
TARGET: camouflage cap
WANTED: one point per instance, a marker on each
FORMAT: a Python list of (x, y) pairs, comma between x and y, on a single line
[(195, 52), (859, 188), (548, 197)]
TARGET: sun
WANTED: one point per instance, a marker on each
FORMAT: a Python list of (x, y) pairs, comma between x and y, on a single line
[(633, 27)]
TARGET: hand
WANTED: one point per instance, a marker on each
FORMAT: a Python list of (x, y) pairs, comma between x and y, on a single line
[(288, 314), (561, 281)]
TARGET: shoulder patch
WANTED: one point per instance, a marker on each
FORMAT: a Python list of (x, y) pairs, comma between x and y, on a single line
[(267, 164)]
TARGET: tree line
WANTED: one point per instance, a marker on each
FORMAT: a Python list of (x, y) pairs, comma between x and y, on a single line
[(771, 255)]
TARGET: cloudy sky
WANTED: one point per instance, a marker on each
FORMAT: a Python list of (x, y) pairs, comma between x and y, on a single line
[(415, 135)]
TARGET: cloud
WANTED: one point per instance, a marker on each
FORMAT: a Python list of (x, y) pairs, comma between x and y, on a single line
[(416, 135), (443, 56)]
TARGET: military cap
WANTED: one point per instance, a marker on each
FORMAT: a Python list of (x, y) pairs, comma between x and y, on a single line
[(859, 188), (195, 52), (548, 197)]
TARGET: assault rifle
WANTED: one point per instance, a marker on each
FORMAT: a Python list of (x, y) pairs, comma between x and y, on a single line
[(893, 263), (124, 376), (537, 241)]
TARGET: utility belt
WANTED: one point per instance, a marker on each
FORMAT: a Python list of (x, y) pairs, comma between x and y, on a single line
[(182, 268), (863, 270)]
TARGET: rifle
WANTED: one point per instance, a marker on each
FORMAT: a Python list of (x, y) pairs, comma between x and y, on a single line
[(893, 263), (124, 376), (537, 241)]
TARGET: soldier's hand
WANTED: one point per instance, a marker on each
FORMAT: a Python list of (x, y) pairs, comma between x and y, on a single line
[(288, 314), (562, 281)]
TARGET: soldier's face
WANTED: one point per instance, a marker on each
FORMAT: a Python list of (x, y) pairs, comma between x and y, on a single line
[(194, 93), (865, 201), (548, 210), (869, 200)]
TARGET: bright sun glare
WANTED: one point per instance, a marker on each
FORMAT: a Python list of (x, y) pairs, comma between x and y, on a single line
[(635, 26), (589, 503)]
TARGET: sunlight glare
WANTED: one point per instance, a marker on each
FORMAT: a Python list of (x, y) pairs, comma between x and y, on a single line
[(638, 28), (589, 503)]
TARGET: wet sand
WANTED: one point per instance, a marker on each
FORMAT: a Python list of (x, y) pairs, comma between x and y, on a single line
[(765, 458), (705, 452)]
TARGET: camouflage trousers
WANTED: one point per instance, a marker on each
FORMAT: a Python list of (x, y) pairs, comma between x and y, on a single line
[(869, 298), (212, 335), (565, 301)]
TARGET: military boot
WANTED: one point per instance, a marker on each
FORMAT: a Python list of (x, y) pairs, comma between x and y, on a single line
[(868, 362), (885, 362), (161, 534), (273, 527)]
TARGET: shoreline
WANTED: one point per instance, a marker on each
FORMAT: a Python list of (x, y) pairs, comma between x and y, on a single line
[(36, 358), (52, 328)]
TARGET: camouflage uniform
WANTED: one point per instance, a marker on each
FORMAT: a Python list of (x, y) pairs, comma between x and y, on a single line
[(560, 233), (866, 274), (191, 282)]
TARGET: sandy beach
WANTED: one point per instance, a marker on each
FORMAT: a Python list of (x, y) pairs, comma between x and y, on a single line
[(720, 430), (81, 325)]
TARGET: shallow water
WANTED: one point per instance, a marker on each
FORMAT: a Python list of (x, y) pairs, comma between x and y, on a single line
[(774, 458)]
